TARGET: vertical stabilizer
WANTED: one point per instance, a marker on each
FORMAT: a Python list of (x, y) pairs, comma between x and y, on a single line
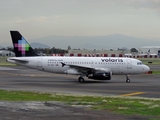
[(21, 47)]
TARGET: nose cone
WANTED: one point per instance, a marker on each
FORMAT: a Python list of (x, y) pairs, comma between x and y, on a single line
[(146, 68)]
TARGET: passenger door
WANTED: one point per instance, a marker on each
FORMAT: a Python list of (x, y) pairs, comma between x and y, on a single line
[(129, 64)]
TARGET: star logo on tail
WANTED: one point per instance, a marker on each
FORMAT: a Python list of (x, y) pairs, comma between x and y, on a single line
[(22, 46)]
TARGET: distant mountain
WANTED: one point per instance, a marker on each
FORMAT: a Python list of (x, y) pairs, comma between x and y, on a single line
[(34, 45), (39, 45), (114, 41), (5, 44)]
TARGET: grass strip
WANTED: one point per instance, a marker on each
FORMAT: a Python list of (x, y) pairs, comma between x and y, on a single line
[(122, 105), (156, 72), (4, 63)]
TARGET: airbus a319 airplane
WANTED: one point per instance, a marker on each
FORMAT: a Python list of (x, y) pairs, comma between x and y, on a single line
[(97, 68)]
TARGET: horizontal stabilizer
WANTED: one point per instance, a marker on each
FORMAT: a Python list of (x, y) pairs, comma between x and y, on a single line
[(18, 60)]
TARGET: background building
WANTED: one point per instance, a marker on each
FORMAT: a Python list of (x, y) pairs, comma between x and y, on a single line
[(150, 50), (95, 53), (6, 53)]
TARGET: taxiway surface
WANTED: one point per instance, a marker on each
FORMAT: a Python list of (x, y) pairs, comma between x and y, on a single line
[(21, 78)]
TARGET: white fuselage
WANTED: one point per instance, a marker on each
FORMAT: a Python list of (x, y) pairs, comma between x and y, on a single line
[(118, 65)]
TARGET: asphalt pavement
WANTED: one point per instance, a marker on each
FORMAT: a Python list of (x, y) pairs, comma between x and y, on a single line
[(25, 79)]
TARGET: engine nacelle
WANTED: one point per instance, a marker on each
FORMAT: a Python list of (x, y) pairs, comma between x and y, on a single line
[(100, 75)]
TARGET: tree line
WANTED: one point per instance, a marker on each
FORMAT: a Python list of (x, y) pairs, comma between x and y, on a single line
[(53, 50)]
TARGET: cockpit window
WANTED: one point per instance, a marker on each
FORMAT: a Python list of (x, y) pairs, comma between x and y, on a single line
[(139, 63)]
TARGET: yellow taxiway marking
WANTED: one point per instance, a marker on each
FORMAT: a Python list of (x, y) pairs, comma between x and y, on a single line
[(132, 94)]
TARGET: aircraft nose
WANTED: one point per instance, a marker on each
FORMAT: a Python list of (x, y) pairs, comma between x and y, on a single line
[(147, 69)]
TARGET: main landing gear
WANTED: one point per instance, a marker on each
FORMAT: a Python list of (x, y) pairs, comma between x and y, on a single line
[(127, 79), (81, 79)]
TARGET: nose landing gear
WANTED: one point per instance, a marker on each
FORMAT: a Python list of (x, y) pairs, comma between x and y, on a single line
[(127, 79)]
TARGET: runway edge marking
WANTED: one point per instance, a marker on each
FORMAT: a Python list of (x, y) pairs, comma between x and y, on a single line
[(132, 94)]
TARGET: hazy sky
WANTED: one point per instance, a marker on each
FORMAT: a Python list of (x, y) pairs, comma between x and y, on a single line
[(41, 18)]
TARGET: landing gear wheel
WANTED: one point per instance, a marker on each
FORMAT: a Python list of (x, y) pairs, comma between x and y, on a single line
[(81, 79), (128, 80)]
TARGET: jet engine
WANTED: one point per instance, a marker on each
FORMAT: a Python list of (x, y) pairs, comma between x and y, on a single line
[(100, 75)]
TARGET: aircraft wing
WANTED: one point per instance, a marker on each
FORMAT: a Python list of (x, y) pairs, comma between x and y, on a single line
[(82, 69), (85, 69)]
